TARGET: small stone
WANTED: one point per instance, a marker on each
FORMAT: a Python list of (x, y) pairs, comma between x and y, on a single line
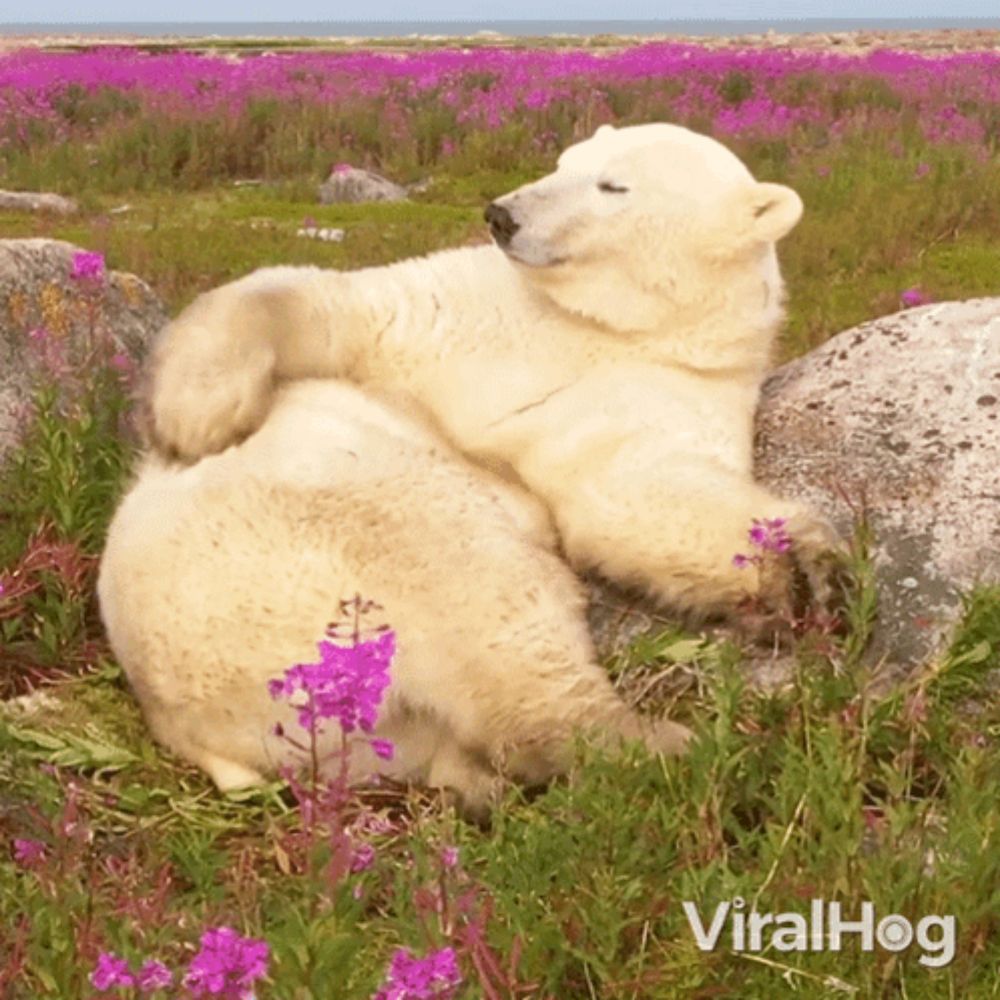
[(327, 235), (351, 184), (33, 201)]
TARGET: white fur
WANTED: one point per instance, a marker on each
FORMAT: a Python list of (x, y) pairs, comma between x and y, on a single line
[(609, 361), (218, 576)]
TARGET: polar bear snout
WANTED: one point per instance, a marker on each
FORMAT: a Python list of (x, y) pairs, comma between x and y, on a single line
[(501, 223)]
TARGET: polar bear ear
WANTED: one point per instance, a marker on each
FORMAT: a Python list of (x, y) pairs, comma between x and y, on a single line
[(604, 130), (770, 212)]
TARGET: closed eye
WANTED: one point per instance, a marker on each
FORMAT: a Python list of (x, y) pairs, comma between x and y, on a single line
[(608, 188)]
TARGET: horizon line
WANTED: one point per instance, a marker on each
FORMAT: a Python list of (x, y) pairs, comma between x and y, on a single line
[(523, 20)]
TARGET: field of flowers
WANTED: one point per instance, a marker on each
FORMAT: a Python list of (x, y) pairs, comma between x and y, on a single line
[(893, 153), (123, 873)]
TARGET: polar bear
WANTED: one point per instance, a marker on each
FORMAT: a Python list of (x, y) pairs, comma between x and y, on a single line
[(605, 352), (217, 576)]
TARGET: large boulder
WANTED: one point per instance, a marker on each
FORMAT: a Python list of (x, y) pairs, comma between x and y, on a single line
[(898, 418), (39, 298)]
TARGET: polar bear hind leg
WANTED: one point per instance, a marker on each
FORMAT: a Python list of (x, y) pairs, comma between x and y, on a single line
[(218, 576)]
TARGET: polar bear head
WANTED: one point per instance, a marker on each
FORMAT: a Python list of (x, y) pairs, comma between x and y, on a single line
[(648, 227)]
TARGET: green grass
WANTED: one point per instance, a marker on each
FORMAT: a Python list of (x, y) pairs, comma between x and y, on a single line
[(871, 230)]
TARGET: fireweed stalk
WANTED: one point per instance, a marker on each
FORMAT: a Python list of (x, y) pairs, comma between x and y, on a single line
[(57, 359), (455, 910), (347, 685)]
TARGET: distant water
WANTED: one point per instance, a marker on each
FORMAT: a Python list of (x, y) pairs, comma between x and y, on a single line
[(401, 29)]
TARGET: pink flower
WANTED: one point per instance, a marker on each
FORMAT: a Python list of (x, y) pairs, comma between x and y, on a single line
[(122, 363), (435, 977), (767, 535), (914, 297), (111, 972), (88, 267), (449, 857), (27, 853), (227, 964), (342, 168), (383, 748), (923, 169), (347, 685), (362, 858), (823, 171), (152, 976)]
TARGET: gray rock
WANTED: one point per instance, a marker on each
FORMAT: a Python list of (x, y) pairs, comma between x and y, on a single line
[(901, 417), (351, 184), (37, 292), (31, 201)]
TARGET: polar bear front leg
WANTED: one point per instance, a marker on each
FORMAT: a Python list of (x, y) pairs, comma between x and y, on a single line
[(213, 369), (673, 529)]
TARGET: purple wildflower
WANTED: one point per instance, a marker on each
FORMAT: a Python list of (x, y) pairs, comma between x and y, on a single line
[(914, 297), (347, 685), (111, 972), (342, 168), (767, 535), (88, 267), (383, 748), (923, 169), (362, 858), (449, 857), (27, 853), (152, 976), (227, 965), (435, 977)]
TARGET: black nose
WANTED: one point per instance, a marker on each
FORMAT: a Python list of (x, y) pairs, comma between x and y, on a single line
[(502, 224)]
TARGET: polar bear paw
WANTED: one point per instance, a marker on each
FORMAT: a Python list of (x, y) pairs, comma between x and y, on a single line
[(666, 737), (805, 588), (820, 579), (204, 394)]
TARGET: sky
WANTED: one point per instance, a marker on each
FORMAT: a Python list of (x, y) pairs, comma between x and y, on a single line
[(12, 11)]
